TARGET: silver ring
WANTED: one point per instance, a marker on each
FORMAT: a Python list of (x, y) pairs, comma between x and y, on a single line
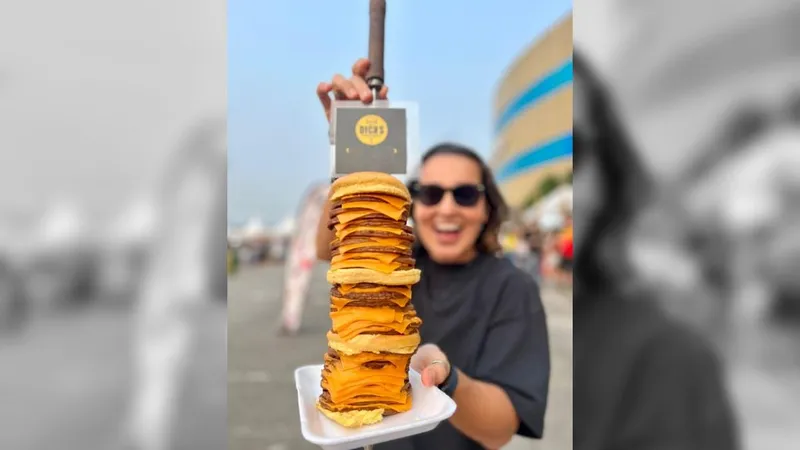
[(440, 361)]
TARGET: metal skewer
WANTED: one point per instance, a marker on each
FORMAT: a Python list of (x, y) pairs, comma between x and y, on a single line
[(377, 21), (375, 75)]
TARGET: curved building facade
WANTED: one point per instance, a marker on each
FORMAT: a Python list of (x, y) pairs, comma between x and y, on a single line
[(533, 116)]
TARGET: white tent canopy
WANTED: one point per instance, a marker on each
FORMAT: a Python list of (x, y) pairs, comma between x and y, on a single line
[(61, 226), (136, 224), (548, 211), (254, 227), (285, 227)]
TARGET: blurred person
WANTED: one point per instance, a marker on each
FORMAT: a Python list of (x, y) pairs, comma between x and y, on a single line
[(484, 331), (521, 250), (302, 256), (508, 242), (14, 304), (740, 194), (186, 268), (550, 257), (565, 248), (525, 256), (232, 260), (643, 381), (535, 242)]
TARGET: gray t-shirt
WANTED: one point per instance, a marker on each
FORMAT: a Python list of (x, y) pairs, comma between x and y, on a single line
[(488, 319)]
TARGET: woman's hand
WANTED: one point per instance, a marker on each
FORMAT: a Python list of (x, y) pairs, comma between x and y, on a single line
[(353, 88), (432, 364)]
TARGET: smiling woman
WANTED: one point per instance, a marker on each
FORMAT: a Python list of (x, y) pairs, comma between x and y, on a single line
[(483, 330)]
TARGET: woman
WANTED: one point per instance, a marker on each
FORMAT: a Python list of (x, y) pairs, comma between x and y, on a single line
[(484, 332), (641, 381)]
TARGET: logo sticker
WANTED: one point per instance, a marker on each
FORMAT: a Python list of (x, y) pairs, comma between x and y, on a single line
[(371, 130)]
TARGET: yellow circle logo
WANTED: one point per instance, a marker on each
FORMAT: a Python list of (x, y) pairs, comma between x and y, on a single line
[(371, 130)]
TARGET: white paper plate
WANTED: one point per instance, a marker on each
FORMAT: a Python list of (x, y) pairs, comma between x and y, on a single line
[(430, 406)]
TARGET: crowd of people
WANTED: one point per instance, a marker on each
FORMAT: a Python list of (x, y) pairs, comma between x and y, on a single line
[(545, 254)]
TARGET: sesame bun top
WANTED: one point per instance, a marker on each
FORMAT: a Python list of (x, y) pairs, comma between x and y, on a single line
[(369, 183)]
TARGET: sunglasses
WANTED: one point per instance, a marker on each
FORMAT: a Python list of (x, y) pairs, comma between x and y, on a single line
[(431, 194)]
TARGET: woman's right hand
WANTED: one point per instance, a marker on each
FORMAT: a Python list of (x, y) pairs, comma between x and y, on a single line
[(353, 88)]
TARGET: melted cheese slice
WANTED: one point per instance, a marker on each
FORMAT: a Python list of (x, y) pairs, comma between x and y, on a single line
[(352, 321), (349, 383), (339, 303), (379, 262), (397, 202), (400, 402), (349, 216), (352, 362), (348, 288), (382, 208), (386, 258), (375, 242)]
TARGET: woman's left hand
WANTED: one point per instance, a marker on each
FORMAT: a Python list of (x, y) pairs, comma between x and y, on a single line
[(432, 364)]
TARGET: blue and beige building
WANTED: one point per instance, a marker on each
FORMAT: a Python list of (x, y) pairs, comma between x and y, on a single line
[(533, 116)]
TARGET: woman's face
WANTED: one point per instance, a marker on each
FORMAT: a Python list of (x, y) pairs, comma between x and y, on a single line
[(449, 230)]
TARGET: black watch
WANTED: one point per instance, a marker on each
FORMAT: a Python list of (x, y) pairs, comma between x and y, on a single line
[(450, 383)]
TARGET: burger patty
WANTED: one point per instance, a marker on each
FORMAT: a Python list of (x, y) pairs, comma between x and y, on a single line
[(383, 221), (380, 304), (411, 329), (405, 263), (367, 235), (334, 355), (366, 296), (331, 357), (373, 304), (377, 248), (404, 242)]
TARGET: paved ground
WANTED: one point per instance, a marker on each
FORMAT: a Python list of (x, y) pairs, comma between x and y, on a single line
[(262, 401), (66, 383)]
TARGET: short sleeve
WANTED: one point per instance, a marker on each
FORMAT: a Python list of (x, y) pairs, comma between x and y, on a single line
[(516, 354), (676, 398)]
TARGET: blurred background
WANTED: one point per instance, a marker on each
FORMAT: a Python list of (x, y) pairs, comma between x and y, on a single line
[(709, 92), (112, 125), (494, 76), (113, 314)]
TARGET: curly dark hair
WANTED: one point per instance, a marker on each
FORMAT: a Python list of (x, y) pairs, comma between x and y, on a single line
[(497, 210)]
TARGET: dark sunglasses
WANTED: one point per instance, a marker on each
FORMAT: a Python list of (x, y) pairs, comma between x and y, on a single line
[(431, 194)]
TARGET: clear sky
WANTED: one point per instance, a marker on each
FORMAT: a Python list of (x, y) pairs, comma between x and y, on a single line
[(446, 55)]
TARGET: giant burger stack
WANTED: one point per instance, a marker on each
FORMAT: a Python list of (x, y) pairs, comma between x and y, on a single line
[(375, 329)]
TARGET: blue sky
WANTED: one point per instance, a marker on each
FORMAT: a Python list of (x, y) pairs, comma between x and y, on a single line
[(446, 55)]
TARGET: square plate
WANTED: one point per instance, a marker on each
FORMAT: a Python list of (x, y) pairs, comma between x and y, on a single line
[(430, 406)]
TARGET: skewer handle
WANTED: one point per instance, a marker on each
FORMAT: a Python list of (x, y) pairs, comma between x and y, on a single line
[(377, 20)]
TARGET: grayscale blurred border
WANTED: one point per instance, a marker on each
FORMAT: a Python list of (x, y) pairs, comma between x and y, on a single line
[(112, 222)]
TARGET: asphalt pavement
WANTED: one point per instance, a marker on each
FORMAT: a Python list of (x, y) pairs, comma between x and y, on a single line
[(66, 382), (262, 400)]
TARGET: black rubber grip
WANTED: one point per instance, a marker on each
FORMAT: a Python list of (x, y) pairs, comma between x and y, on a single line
[(377, 20)]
